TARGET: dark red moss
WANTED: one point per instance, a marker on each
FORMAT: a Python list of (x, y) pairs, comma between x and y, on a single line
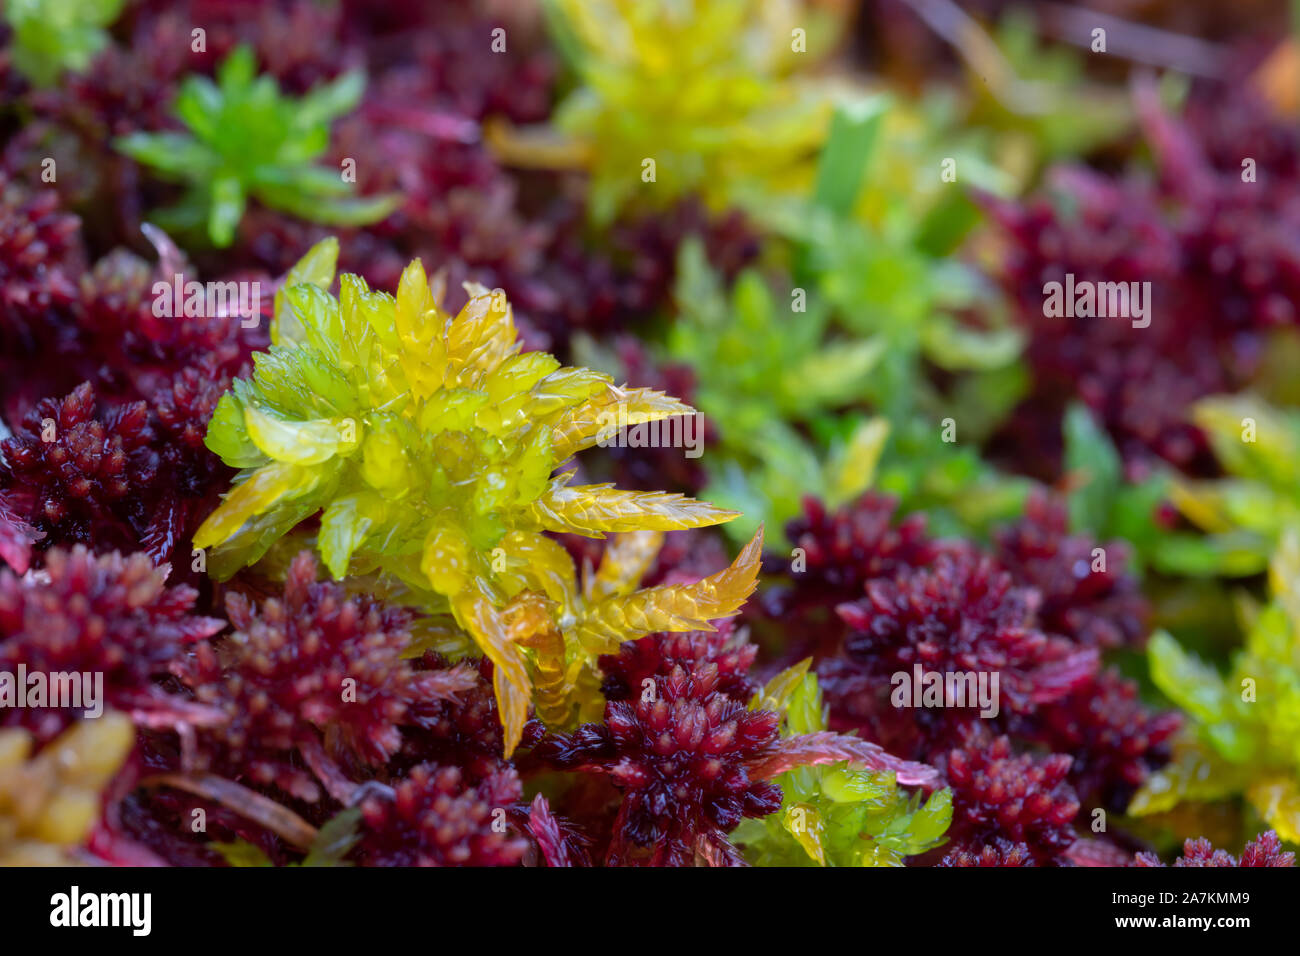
[(558, 841), (118, 475), (66, 323), (845, 548), (1092, 599), (1264, 850), (1020, 799), (964, 615), (1137, 381), (317, 677), (109, 615), (78, 468), (1222, 257), (997, 853), (119, 463), (1115, 740), (834, 554), (17, 536), (40, 261), (465, 730), (1034, 611), (139, 352), (681, 757), (626, 673), (435, 817)]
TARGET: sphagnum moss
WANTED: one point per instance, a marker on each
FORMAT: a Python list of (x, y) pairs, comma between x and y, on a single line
[(428, 444)]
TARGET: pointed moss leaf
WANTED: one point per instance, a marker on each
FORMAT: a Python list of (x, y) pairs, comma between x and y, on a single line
[(956, 347), (241, 853), (1271, 456), (300, 442), (317, 313), (775, 695), (173, 155), (510, 680), (226, 209), (608, 622), (329, 101), (1095, 470), (53, 36), (836, 374), (344, 526), (1277, 800), (227, 438), (594, 509), (316, 268), (250, 542), (625, 561), (822, 748), (335, 840), (1195, 686), (852, 470), (257, 494), (804, 712), (806, 827), (847, 153), (1195, 773)]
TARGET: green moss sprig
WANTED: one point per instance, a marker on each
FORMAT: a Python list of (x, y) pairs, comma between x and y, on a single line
[(1244, 733), (54, 36), (427, 443), (709, 91), (245, 139), (833, 814)]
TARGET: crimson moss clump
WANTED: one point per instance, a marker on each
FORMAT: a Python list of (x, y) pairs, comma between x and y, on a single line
[(39, 263), (997, 853), (626, 673), (316, 678), (118, 461), (1021, 799), (117, 475), (680, 751), (858, 542), (1219, 251), (76, 469), (1097, 604), (521, 656), (1034, 608), (108, 614), (436, 817), (841, 550), (1264, 850), (1115, 739), (464, 730), (964, 614)]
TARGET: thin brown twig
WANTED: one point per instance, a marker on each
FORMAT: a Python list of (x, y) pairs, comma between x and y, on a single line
[(1137, 42), (247, 803), (981, 53)]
